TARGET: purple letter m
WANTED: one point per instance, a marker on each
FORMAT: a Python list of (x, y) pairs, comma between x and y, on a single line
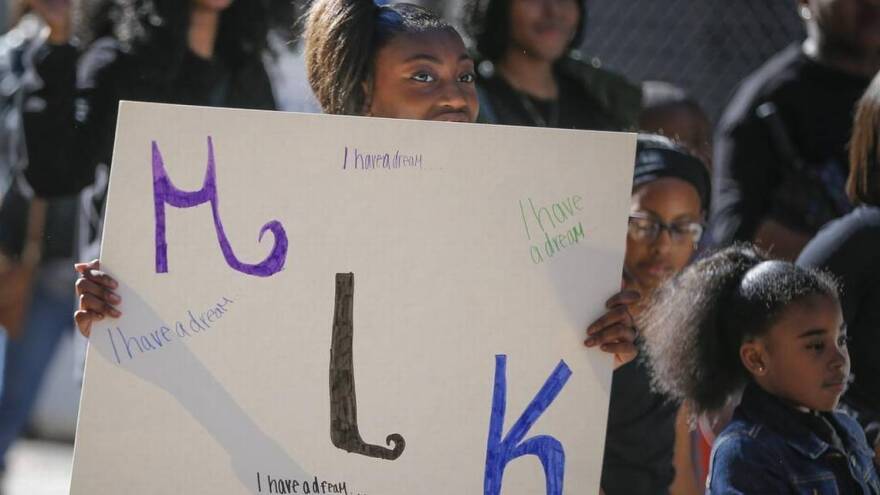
[(165, 192)]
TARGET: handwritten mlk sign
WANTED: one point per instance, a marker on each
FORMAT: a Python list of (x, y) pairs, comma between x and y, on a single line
[(317, 304)]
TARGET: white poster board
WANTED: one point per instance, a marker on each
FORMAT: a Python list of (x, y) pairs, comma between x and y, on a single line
[(478, 256)]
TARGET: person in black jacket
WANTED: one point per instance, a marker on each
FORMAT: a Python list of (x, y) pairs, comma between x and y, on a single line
[(848, 248), (196, 52), (780, 146), (531, 73)]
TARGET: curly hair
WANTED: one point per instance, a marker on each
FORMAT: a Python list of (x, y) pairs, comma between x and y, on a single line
[(697, 322), (342, 38), (487, 24)]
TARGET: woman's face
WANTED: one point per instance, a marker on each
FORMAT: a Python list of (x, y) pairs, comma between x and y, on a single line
[(803, 358), (650, 261), (424, 76), (543, 28)]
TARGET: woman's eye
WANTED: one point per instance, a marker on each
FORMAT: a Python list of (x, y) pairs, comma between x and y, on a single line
[(843, 340), (467, 78), (423, 77)]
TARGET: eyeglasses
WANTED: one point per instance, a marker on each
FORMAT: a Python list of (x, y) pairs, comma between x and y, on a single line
[(646, 228)]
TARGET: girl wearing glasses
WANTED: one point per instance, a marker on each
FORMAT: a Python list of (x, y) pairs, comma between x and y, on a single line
[(670, 197)]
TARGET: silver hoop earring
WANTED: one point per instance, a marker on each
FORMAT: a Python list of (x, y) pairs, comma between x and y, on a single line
[(806, 13)]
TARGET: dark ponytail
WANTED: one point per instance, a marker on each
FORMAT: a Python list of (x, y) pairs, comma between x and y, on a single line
[(342, 38), (697, 322)]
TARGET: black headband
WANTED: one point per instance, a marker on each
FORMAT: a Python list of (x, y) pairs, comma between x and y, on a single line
[(658, 157)]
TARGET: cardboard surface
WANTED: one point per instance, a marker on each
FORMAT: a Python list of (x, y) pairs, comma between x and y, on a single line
[(478, 256)]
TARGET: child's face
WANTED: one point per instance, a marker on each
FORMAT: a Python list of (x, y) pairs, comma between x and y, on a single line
[(424, 76), (803, 357), (651, 261)]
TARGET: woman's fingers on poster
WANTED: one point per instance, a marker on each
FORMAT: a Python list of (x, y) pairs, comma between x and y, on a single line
[(614, 332), (97, 300), (92, 271), (613, 316), (625, 297)]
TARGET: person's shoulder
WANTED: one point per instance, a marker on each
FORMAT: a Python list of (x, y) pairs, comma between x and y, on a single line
[(744, 439), (774, 78), (495, 95), (620, 98), (575, 65), (746, 454), (868, 215), (778, 73), (862, 221), (858, 230), (739, 432)]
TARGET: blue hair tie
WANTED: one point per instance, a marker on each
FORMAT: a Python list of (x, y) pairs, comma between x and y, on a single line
[(386, 14)]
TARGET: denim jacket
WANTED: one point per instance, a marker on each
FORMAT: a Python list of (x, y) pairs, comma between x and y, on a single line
[(771, 448)]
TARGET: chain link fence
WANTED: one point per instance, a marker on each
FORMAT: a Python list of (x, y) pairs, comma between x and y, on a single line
[(705, 46), (4, 16)]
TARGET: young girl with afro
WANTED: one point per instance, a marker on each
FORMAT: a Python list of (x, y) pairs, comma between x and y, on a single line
[(737, 322)]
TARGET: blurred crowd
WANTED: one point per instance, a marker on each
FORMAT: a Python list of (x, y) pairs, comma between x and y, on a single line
[(746, 335)]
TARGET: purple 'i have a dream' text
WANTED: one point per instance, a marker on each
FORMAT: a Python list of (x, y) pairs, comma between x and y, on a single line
[(128, 345), (357, 159)]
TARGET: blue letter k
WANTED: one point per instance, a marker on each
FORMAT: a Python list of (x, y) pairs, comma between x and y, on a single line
[(548, 449)]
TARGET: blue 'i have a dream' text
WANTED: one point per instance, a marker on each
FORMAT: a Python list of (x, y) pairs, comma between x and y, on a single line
[(129, 345)]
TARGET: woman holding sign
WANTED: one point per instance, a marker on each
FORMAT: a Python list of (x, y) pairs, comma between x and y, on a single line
[(394, 61)]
